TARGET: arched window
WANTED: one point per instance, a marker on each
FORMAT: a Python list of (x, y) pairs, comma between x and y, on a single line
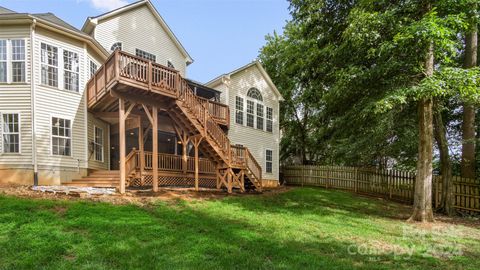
[(116, 46), (255, 94)]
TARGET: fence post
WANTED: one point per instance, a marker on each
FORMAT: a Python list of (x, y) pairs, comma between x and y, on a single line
[(355, 182), (389, 184), (328, 177), (303, 174)]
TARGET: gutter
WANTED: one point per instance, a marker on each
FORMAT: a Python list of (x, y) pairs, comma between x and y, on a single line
[(32, 100)]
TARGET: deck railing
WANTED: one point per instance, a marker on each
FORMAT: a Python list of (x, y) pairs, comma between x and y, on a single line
[(169, 162), (148, 75)]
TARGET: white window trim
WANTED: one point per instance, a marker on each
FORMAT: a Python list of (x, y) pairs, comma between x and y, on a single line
[(245, 107), (171, 62), (51, 135), (243, 111), (60, 67), (18, 61), (71, 71), (9, 61), (19, 132), (145, 52), (90, 60), (95, 143), (6, 61), (266, 118), (268, 149), (121, 45)]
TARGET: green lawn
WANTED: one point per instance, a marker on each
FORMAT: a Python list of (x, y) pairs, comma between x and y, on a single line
[(302, 228)]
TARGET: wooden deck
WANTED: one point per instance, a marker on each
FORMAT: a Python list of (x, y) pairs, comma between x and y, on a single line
[(131, 85), (143, 75)]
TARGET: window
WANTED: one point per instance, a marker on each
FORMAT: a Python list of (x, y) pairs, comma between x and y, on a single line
[(49, 59), (3, 61), (269, 161), (11, 133), (71, 70), (61, 137), (18, 60), (239, 110), (250, 113), (93, 68), (259, 116), (255, 94), (170, 64), (98, 144), (116, 46), (145, 55), (269, 119)]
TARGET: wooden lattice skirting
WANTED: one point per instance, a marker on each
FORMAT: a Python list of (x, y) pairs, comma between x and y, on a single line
[(175, 181)]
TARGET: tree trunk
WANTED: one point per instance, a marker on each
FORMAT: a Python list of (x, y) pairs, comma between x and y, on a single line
[(467, 165), (446, 202), (422, 200)]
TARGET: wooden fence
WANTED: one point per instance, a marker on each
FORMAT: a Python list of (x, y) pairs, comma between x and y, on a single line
[(392, 184)]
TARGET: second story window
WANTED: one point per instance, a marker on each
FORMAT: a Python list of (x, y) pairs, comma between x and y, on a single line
[(12, 60), (92, 68), (269, 119), (145, 55), (49, 59), (250, 113), (18, 60), (170, 64), (71, 71), (3, 61), (259, 116), (116, 46), (239, 110)]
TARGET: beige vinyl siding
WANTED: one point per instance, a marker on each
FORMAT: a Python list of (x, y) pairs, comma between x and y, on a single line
[(256, 140), (92, 163), (53, 102), (139, 28), (16, 98)]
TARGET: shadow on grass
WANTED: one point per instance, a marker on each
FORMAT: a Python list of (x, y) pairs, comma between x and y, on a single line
[(235, 233)]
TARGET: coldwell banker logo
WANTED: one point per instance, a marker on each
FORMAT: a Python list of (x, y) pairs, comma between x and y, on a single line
[(423, 242)]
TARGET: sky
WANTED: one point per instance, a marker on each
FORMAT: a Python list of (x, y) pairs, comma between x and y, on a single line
[(220, 35)]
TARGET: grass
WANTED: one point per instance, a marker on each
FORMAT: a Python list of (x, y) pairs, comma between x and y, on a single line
[(304, 228)]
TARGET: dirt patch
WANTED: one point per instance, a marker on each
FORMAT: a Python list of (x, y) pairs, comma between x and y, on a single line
[(135, 196)]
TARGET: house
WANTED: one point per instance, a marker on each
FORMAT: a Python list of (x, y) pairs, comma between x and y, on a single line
[(109, 106)]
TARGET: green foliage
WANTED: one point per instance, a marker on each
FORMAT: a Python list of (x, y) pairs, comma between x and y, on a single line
[(357, 68)]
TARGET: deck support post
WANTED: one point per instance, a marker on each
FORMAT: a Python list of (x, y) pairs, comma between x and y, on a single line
[(121, 115), (141, 148), (196, 140), (155, 148), (229, 180)]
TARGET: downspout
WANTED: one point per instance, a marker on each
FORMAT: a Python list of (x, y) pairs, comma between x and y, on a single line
[(32, 100)]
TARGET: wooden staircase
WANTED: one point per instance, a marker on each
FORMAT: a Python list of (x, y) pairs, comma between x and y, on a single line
[(102, 178), (142, 81)]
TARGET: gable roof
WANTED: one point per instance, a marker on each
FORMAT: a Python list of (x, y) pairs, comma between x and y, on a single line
[(51, 22), (91, 22), (50, 17), (4, 10), (256, 63)]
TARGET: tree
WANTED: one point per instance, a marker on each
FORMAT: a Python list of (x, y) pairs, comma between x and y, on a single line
[(468, 128), (446, 203), (369, 72)]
